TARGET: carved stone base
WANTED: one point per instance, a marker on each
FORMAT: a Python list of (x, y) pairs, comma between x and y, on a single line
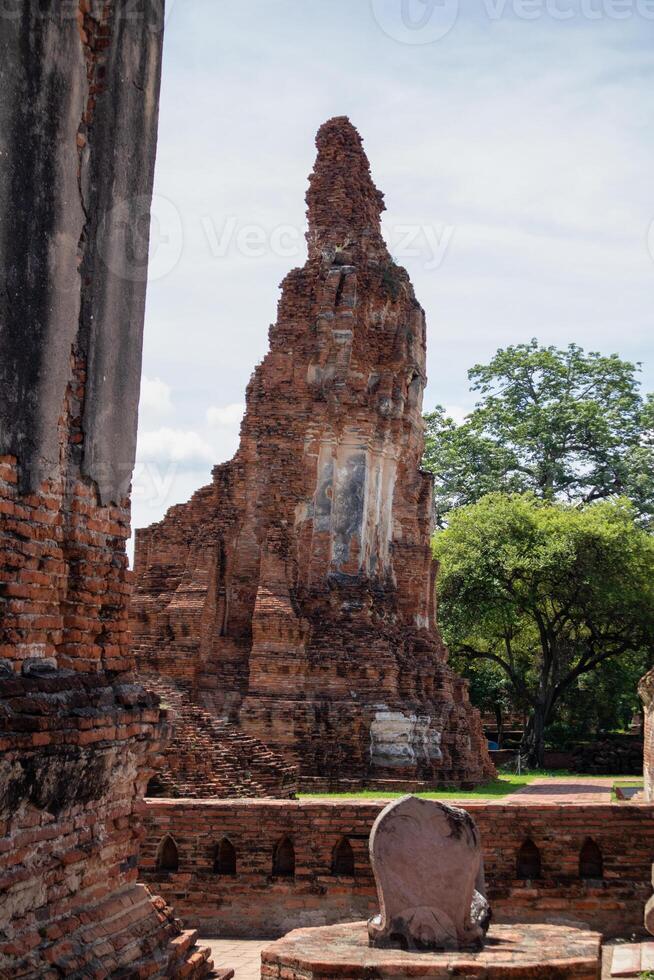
[(537, 951)]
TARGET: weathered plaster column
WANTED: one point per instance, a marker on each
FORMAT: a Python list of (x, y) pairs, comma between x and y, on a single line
[(79, 86)]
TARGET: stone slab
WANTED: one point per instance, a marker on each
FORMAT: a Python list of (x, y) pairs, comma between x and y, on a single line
[(427, 863), (632, 959), (626, 961), (525, 951)]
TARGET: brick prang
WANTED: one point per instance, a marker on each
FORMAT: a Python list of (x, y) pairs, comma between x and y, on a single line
[(294, 595)]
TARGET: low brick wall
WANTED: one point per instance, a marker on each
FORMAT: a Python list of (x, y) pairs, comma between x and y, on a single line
[(255, 902)]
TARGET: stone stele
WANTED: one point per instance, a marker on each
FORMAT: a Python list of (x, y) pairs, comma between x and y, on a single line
[(428, 866)]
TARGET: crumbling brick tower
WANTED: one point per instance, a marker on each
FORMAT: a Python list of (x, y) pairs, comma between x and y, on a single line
[(295, 594), (79, 88)]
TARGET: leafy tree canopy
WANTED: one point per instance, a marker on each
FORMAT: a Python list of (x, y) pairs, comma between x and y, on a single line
[(563, 424), (604, 700), (545, 591), (490, 690)]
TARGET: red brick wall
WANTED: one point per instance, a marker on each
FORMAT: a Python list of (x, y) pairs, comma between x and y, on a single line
[(254, 902), (64, 577)]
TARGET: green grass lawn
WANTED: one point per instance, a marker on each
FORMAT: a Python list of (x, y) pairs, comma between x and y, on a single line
[(501, 786), (505, 784)]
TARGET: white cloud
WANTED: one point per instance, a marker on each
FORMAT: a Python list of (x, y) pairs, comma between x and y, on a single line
[(155, 396), (533, 141), (181, 446), (456, 412), (225, 416)]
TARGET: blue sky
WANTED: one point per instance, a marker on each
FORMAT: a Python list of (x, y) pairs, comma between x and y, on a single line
[(511, 138)]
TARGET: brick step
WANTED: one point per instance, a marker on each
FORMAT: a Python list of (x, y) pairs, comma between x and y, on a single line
[(208, 757), (133, 929), (184, 942)]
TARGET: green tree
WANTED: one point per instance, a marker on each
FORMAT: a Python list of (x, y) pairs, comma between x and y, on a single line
[(547, 592), (604, 700), (490, 690), (563, 424)]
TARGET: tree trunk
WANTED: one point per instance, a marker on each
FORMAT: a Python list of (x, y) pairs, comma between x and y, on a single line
[(534, 738), (499, 719)]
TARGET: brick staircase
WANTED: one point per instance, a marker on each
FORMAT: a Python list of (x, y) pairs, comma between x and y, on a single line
[(207, 757), (129, 935)]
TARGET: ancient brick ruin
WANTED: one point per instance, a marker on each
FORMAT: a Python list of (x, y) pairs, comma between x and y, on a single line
[(79, 736), (294, 595), (285, 615)]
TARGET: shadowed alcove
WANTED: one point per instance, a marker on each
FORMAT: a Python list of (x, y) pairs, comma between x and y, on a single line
[(224, 858), (591, 862), (284, 859), (343, 859), (167, 855), (528, 864)]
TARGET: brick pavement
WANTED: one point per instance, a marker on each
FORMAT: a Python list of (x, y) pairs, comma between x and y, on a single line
[(564, 790), (243, 956)]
